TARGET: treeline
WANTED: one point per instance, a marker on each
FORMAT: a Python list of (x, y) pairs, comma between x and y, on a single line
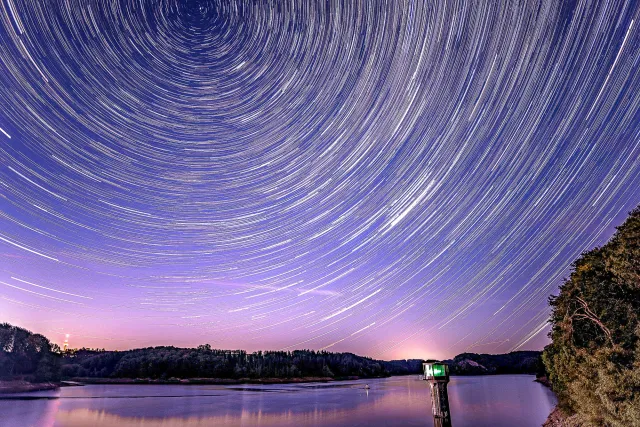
[(594, 358), (32, 357), (404, 367), (516, 362), (27, 356), (205, 362)]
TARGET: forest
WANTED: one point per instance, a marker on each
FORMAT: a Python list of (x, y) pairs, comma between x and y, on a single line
[(29, 356), (205, 362), (32, 357), (594, 358)]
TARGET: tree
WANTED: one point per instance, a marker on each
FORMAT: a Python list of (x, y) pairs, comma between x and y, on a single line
[(29, 355), (594, 358)]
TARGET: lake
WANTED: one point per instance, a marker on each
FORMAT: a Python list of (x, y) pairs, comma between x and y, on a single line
[(504, 400)]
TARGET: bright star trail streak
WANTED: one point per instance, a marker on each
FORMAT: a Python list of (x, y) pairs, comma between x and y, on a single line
[(395, 179)]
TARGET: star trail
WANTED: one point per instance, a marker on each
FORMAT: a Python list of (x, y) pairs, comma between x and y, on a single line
[(391, 178)]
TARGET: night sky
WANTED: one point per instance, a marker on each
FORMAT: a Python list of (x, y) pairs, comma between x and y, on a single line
[(391, 178)]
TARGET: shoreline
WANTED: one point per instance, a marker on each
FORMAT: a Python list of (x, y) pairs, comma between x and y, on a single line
[(7, 387), (558, 416), (205, 381), (544, 381), (19, 386)]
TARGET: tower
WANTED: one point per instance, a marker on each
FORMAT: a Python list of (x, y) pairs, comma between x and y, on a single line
[(438, 376), (65, 345)]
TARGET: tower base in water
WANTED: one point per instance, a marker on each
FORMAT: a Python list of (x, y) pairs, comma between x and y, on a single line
[(440, 404)]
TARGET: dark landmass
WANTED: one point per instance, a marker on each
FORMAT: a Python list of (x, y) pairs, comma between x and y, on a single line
[(204, 362), (27, 358), (404, 367), (593, 361), (516, 362), (28, 362)]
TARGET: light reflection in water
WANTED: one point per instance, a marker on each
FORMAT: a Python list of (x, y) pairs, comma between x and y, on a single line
[(475, 401)]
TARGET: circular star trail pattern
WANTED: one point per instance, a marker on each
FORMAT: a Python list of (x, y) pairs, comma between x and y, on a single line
[(396, 179)]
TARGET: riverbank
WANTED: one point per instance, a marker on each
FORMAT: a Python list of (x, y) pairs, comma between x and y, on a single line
[(394, 401), (543, 380), (25, 386), (558, 417)]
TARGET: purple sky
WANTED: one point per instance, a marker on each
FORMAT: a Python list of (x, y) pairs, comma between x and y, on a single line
[(394, 179)]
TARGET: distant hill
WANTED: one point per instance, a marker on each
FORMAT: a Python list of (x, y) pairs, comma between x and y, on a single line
[(517, 362)]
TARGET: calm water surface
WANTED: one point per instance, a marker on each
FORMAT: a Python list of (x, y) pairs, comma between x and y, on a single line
[(506, 400)]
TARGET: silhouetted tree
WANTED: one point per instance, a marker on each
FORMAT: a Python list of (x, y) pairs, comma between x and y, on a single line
[(27, 355)]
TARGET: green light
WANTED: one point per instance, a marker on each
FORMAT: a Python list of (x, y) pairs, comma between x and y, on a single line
[(435, 370)]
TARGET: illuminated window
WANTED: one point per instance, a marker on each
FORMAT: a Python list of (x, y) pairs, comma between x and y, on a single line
[(438, 371)]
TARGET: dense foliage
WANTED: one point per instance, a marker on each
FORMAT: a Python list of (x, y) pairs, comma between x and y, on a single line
[(403, 367), (34, 358), (205, 362), (27, 356), (594, 358)]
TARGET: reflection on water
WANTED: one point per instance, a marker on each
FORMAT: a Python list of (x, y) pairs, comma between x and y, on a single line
[(475, 401)]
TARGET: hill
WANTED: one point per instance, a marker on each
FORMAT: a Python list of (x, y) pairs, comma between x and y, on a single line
[(517, 362)]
